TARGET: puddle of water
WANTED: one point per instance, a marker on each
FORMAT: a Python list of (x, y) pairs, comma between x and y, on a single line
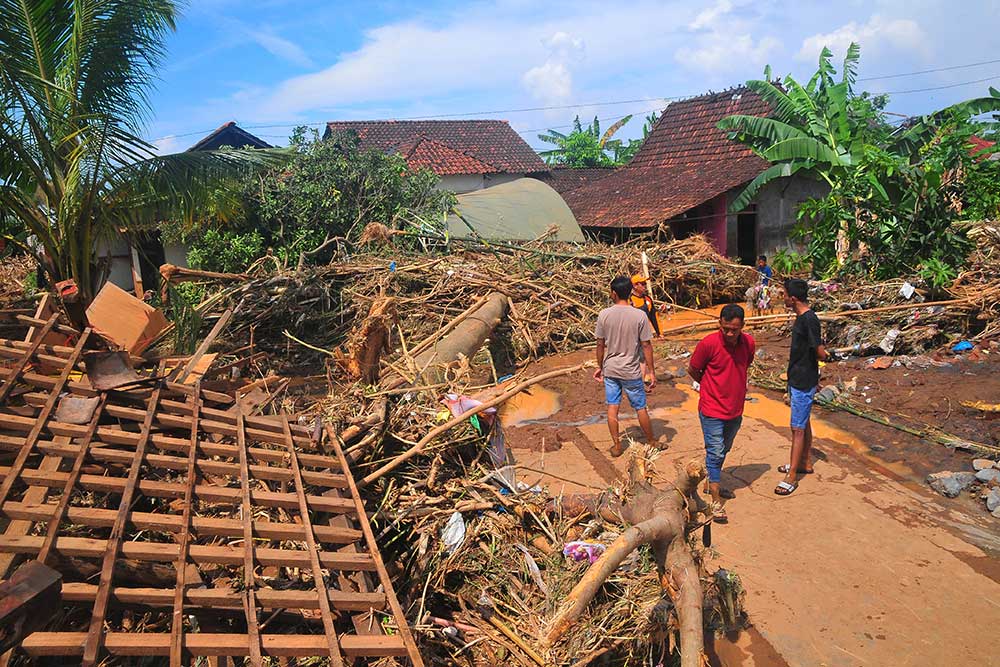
[(678, 318), (533, 404)]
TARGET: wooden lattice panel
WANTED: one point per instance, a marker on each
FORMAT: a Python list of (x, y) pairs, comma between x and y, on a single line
[(183, 526)]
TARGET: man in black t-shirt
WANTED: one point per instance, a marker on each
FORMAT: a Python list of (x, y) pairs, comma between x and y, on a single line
[(803, 381)]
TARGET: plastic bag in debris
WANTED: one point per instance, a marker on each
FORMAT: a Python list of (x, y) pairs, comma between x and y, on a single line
[(907, 291), (536, 574), (453, 533), (579, 550), (889, 342), (963, 346)]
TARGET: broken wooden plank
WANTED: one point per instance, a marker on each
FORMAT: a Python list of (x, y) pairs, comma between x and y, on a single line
[(28, 600)]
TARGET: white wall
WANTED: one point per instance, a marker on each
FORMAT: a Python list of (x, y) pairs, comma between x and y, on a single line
[(121, 262), (461, 183)]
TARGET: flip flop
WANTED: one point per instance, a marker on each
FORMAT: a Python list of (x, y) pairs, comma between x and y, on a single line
[(723, 493), (719, 514), (783, 468), (785, 489)]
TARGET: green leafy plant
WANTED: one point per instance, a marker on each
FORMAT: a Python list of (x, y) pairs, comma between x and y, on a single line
[(75, 79), (788, 262), (937, 273), (586, 146)]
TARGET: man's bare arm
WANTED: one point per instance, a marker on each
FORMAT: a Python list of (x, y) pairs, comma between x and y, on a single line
[(647, 351), (598, 374), (821, 353), (696, 373)]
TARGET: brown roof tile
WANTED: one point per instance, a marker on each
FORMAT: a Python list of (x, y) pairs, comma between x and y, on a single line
[(564, 179), (493, 143), (685, 161)]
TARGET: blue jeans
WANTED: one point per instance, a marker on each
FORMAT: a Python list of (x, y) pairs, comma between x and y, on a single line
[(719, 435), (802, 403), (634, 389)]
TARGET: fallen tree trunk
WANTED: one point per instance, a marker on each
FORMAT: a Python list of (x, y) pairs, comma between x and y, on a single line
[(466, 338), (662, 520)]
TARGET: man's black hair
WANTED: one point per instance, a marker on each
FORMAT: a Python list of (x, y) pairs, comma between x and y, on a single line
[(732, 311), (763, 258), (622, 287), (797, 288)]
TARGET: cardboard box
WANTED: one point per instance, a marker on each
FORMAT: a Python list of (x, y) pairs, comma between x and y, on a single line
[(124, 320)]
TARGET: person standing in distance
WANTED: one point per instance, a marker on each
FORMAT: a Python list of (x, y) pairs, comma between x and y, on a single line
[(624, 355), (803, 381), (720, 363)]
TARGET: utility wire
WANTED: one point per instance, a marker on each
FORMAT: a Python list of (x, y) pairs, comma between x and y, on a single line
[(929, 71)]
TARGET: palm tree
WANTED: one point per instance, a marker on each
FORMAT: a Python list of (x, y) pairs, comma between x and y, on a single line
[(584, 147), (75, 173)]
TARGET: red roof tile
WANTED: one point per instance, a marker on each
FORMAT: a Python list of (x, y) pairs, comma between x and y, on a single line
[(492, 143), (424, 153), (564, 179), (685, 161)]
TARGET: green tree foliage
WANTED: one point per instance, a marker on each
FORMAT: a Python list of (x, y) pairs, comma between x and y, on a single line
[(586, 146), (625, 153), (74, 172), (895, 194), (327, 192)]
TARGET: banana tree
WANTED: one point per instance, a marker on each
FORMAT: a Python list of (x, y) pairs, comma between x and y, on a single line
[(811, 129), (75, 77)]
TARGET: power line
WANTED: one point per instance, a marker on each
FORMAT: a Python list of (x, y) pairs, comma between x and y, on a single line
[(952, 85), (929, 71)]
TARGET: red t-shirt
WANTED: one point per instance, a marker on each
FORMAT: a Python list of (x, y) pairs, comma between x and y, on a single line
[(724, 383)]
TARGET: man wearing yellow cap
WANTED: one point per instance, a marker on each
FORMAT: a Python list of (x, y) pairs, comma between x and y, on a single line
[(640, 299)]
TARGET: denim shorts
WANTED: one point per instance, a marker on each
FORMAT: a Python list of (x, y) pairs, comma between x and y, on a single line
[(719, 435), (802, 403), (634, 389)]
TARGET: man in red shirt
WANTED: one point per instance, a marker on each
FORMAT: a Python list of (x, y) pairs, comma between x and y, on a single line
[(720, 363)]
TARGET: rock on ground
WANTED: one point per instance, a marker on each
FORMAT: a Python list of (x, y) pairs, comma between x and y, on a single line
[(993, 500), (983, 464), (950, 484), (988, 475)]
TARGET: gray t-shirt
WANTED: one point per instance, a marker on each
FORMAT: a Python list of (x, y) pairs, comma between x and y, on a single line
[(623, 329)]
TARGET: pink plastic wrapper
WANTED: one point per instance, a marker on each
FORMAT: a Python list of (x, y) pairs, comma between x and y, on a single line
[(579, 550)]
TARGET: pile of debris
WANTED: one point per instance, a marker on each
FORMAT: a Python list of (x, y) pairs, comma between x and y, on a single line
[(984, 482)]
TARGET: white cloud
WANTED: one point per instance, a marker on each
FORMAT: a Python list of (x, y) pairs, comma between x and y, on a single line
[(281, 48), (167, 145), (875, 35), (552, 81), (708, 17), (718, 54)]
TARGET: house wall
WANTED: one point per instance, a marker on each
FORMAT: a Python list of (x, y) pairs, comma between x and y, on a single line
[(461, 183), (175, 253), (121, 262), (777, 205)]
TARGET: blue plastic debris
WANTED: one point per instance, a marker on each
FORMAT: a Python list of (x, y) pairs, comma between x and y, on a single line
[(392, 266), (963, 346)]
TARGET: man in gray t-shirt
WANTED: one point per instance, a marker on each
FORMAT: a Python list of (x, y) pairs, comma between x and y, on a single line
[(624, 338)]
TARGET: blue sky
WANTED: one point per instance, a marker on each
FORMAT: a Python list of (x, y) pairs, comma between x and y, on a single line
[(272, 64)]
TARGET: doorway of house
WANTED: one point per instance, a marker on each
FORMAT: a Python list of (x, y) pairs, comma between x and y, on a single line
[(746, 236), (150, 249)]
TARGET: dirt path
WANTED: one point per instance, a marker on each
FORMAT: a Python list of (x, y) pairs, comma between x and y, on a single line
[(862, 565)]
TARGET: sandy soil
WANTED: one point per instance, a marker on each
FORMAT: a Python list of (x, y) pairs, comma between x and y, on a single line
[(862, 565)]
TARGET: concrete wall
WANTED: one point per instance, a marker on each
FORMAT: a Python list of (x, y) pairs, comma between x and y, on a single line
[(776, 205), (461, 183), (121, 262), (175, 253)]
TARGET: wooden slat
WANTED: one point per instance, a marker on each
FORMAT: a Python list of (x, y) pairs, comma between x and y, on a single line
[(204, 644), (177, 619), (383, 574), (317, 571), (249, 581), (163, 552), (117, 436), (205, 466), (22, 525), (27, 356), (171, 523), (95, 635), (71, 479), (36, 430), (226, 598), (204, 492)]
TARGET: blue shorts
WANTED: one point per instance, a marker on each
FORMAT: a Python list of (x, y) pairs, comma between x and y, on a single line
[(719, 435), (802, 403), (634, 389)]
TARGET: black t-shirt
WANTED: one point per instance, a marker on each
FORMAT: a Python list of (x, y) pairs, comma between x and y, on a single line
[(803, 363)]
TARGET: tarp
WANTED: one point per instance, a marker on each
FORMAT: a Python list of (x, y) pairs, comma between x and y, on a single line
[(521, 210)]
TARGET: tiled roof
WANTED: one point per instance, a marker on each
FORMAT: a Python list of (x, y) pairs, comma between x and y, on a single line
[(564, 179), (685, 161), (493, 143), (229, 134), (424, 153)]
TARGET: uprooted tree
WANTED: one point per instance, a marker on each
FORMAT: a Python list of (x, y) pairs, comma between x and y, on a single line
[(663, 519)]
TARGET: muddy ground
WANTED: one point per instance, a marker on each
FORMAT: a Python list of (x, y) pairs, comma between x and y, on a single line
[(863, 565)]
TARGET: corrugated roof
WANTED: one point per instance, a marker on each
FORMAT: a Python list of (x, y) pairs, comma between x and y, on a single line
[(685, 161), (491, 142)]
